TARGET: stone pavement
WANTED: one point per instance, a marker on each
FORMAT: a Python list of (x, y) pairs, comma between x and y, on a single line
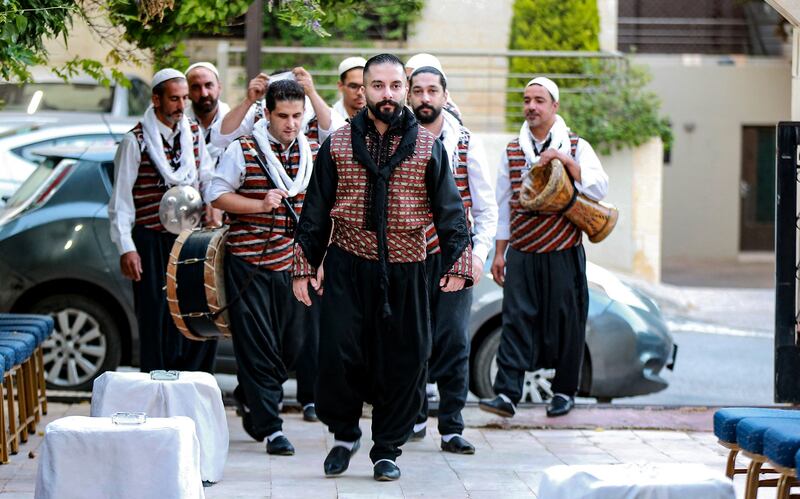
[(511, 454)]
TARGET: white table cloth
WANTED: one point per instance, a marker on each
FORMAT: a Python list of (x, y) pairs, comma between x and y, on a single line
[(635, 481), (93, 458), (194, 394)]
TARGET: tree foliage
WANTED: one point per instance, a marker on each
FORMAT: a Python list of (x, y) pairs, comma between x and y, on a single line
[(604, 100), (158, 26)]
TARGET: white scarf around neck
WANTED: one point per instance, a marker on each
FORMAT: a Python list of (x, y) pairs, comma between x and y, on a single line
[(277, 172), (452, 133), (559, 134), (186, 173)]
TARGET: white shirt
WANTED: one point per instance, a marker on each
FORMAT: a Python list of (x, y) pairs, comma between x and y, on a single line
[(481, 185), (594, 183), (121, 210), (338, 109), (230, 172), (222, 110), (220, 140)]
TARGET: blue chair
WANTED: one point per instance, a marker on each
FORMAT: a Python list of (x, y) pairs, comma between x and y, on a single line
[(38, 330), (781, 446), (750, 437), (14, 354), (26, 383), (3, 426), (725, 421)]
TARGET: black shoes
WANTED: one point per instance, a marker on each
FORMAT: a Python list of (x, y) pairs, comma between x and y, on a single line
[(498, 406), (280, 446), (560, 405), (310, 413), (457, 445), (385, 471), (418, 435), (339, 459)]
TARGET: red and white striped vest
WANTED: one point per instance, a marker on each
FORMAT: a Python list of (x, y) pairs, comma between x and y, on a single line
[(149, 187), (532, 233), (408, 205), (461, 175), (249, 236)]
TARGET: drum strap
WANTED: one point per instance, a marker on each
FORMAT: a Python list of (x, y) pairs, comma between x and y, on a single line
[(259, 155)]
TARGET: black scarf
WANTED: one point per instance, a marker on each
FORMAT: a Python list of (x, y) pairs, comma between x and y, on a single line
[(381, 174)]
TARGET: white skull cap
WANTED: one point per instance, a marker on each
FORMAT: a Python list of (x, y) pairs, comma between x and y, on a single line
[(164, 75), (547, 83), (206, 65), (351, 63)]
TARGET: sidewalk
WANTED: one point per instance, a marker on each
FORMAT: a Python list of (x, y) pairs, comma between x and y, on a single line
[(511, 455)]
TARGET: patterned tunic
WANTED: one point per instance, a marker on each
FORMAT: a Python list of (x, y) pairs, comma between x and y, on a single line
[(531, 232), (149, 187), (460, 173), (265, 239)]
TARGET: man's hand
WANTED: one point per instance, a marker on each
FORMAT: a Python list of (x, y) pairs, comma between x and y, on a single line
[(131, 265), (303, 77), (477, 270), (273, 199), (316, 282), (499, 268), (257, 88), (450, 283), (213, 216), (549, 155)]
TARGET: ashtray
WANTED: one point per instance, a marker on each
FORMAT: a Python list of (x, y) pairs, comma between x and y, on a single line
[(162, 375), (128, 418)]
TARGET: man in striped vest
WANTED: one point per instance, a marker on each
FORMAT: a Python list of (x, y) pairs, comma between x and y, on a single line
[(164, 150), (540, 261), (448, 365), (206, 108), (376, 184), (270, 330)]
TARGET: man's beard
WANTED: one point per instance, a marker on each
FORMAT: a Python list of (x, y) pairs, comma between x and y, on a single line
[(205, 106), (427, 118), (380, 115)]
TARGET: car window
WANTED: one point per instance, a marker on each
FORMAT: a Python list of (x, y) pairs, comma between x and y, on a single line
[(138, 97), (108, 168), (26, 151), (35, 182), (56, 96)]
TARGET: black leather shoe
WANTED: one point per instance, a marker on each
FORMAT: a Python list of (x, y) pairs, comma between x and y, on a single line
[(310, 414), (418, 435), (339, 459), (560, 405), (457, 445), (385, 471), (497, 406), (280, 446)]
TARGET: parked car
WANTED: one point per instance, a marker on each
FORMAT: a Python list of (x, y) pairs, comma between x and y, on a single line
[(17, 160), (50, 99), (56, 257), (628, 343)]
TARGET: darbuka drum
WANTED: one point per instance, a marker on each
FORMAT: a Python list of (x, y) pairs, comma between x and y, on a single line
[(196, 284), (548, 189)]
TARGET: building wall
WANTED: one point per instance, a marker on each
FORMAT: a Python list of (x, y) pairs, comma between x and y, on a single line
[(708, 99)]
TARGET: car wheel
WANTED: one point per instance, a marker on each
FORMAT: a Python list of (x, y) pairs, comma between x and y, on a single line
[(85, 342)]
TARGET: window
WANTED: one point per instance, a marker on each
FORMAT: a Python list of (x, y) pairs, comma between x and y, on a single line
[(27, 151), (138, 97), (56, 96)]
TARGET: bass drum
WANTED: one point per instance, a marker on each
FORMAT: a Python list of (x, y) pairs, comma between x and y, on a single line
[(196, 284)]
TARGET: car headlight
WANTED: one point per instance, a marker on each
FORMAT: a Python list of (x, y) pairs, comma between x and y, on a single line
[(613, 287)]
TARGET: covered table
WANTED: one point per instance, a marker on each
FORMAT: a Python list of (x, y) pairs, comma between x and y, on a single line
[(93, 458), (194, 394), (635, 481)]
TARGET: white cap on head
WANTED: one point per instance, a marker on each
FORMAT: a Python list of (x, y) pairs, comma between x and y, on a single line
[(547, 83), (351, 63), (421, 60), (206, 65), (164, 75)]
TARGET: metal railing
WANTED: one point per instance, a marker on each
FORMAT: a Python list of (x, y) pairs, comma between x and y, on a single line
[(479, 81)]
